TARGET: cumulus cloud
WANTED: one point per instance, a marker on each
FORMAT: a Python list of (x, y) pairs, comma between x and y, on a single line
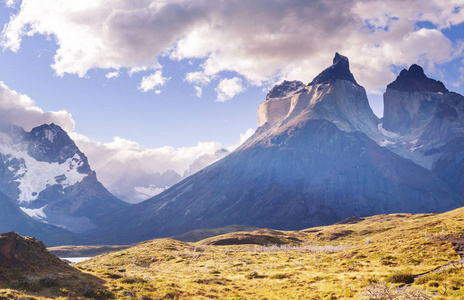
[(261, 40), (228, 88), (20, 110), (157, 160), (243, 137), (114, 74), (152, 81), (11, 3), (113, 158)]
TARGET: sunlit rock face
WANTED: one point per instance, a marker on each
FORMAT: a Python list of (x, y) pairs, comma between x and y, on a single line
[(319, 156), (49, 178)]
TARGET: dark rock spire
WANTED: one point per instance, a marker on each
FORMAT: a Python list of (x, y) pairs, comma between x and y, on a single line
[(414, 80), (340, 69)]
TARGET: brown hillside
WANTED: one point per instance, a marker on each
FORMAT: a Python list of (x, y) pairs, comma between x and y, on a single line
[(27, 254)]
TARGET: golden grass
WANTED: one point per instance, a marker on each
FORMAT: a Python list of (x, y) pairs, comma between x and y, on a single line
[(331, 262)]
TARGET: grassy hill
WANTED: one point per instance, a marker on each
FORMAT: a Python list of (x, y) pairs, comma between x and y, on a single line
[(406, 256)]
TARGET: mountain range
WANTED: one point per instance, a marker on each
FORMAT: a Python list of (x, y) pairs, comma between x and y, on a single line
[(319, 155)]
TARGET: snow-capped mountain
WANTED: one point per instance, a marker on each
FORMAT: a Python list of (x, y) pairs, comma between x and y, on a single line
[(50, 179), (319, 156)]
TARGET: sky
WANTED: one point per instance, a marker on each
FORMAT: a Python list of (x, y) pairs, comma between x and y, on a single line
[(163, 82)]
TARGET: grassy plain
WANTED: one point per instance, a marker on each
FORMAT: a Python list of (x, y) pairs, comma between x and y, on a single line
[(359, 258)]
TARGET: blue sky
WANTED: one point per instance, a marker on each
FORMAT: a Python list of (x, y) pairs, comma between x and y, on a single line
[(60, 54)]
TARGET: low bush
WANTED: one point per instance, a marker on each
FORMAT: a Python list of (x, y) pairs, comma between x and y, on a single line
[(400, 278), (98, 294)]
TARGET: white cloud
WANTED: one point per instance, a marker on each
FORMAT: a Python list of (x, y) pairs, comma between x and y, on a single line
[(114, 74), (102, 155), (198, 91), (20, 110), (197, 78), (228, 88), (138, 69), (243, 137), (259, 40), (11, 3), (152, 81)]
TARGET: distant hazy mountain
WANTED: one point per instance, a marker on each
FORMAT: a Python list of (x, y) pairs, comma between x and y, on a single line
[(319, 156), (48, 178), (136, 184), (204, 161)]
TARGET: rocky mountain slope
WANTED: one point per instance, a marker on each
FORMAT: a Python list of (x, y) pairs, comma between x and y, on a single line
[(318, 157), (13, 219), (425, 124), (49, 178)]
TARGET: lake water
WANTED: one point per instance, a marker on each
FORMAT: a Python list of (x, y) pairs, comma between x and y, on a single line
[(75, 259)]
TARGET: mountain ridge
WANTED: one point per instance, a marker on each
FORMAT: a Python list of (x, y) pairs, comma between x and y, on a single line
[(318, 157)]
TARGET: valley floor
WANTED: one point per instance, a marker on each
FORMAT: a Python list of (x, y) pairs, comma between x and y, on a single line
[(405, 256)]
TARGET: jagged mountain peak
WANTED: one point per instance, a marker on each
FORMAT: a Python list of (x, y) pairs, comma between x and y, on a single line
[(338, 58), (50, 143), (339, 70), (415, 80), (285, 89), (333, 95)]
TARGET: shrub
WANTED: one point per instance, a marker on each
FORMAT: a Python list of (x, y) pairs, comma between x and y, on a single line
[(400, 278), (132, 280), (48, 281), (252, 275), (279, 276), (112, 275), (98, 294)]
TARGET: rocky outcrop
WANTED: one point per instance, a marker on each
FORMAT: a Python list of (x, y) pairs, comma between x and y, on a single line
[(28, 254)]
